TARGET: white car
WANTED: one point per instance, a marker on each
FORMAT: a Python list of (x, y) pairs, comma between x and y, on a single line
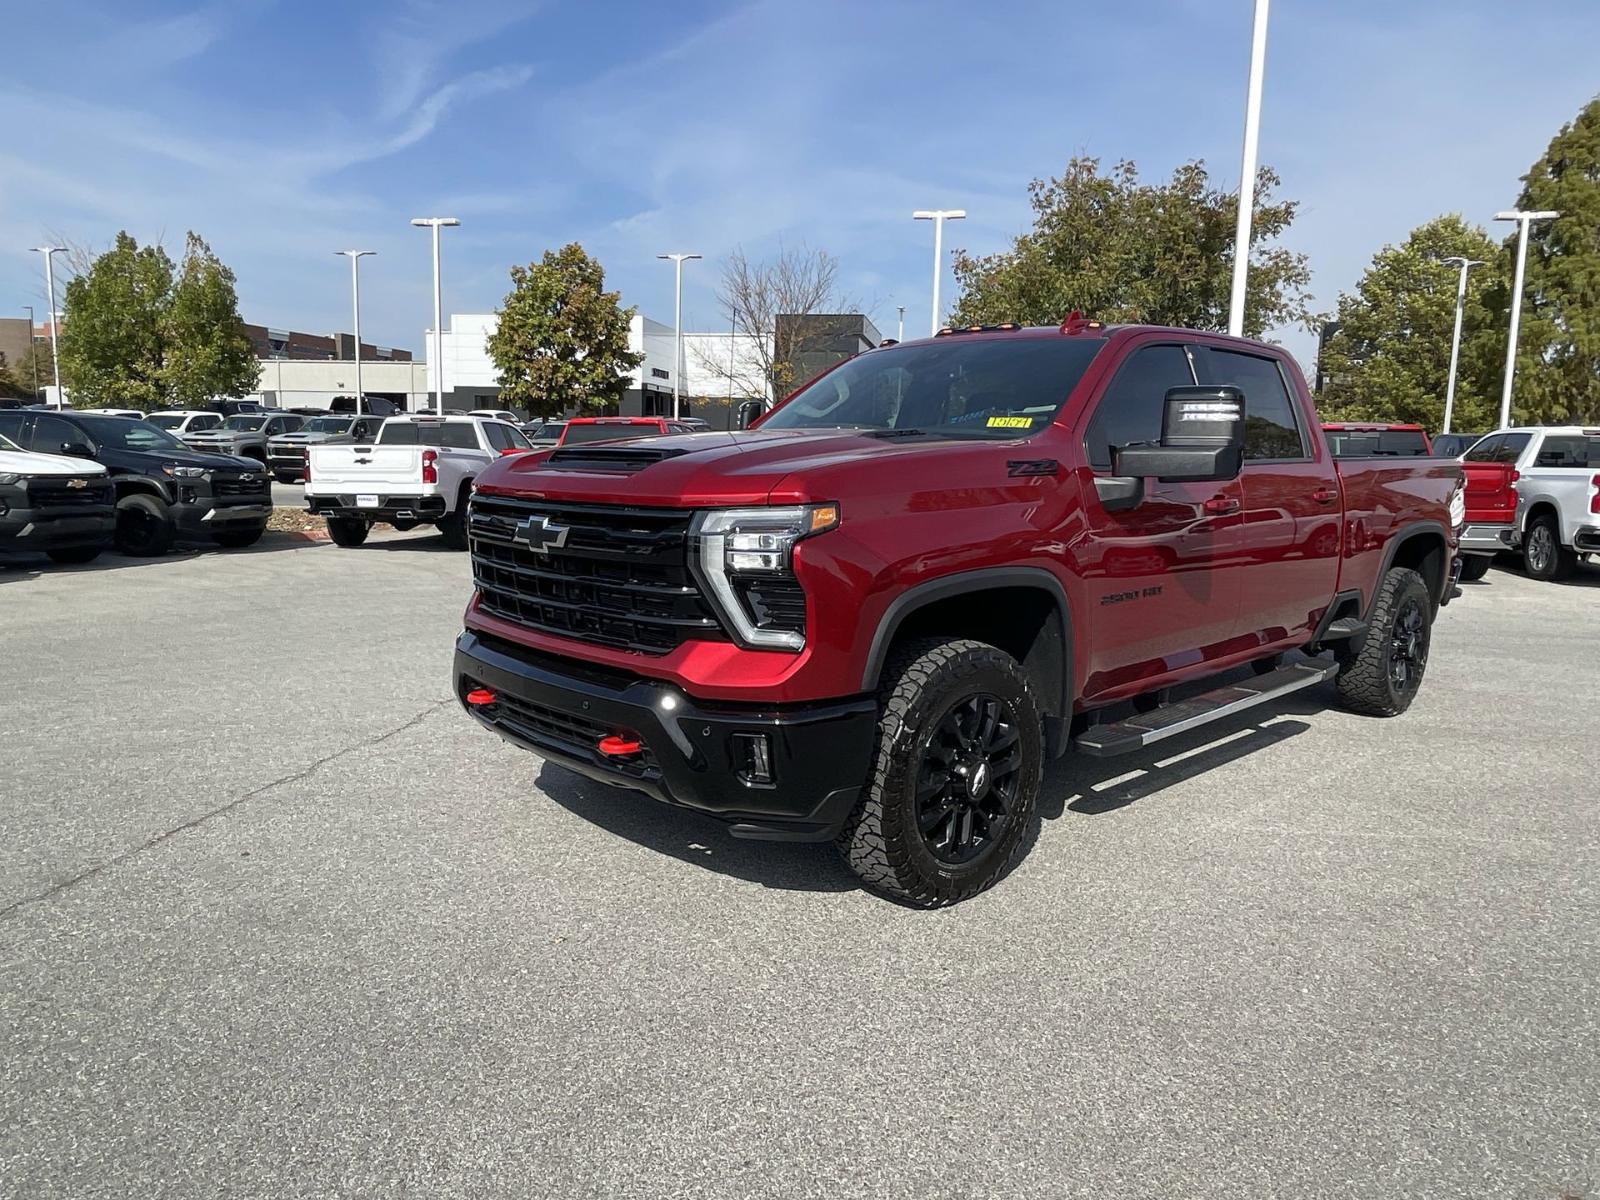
[(64, 507), (496, 414), (419, 471), (133, 414), (1557, 479), (180, 422)]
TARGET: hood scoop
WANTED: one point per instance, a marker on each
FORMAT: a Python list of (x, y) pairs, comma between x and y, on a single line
[(619, 460)]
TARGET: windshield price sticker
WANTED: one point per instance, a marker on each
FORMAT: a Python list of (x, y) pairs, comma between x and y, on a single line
[(1009, 423)]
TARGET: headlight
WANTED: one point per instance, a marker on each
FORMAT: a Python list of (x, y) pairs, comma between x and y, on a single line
[(745, 559), (184, 472), (8, 478)]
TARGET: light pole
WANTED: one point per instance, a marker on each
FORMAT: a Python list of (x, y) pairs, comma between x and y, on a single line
[(1247, 171), (938, 216), (355, 257), (49, 253), (901, 336), (32, 357), (435, 223), (677, 322), (1466, 264), (1523, 218)]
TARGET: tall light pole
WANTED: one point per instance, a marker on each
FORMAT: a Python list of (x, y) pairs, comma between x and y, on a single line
[(677, 322), (49, 253), (1247, 171), (1523, 218), (1466, 264), (435, 223), (32, 357), (901, 336), (938, 216), (355, 257)]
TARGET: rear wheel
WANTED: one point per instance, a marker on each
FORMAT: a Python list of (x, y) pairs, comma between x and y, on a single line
[(954, 789), (237, 539), (1474, 566), (1542, 552), (286, 476), (145, 527), (1381, 676), (74, 554), (454, 525), (348, 531)]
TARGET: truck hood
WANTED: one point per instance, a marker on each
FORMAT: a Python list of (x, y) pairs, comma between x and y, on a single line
[(306, 439), (709, 469), (25, 462)]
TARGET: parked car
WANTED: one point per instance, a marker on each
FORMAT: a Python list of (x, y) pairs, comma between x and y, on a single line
[(65, 507), (420, 471), (612, 429), (872, 616), (134, 414), (1545, 485), (245, 435), (544, 433), (286, 453), (373, 406), (496, 414), (1453, 445), (1362, 440), (163, 488), (232, 408), (1491, 503), (180, 422)]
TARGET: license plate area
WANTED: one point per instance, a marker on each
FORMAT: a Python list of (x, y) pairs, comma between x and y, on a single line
[(366, 501)]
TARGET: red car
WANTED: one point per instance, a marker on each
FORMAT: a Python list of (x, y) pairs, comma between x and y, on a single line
[(873, 616), (1351, 439), (612, 429)]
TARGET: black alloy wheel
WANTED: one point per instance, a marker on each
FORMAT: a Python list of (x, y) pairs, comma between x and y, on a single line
[(1408, 646), (967, 779)]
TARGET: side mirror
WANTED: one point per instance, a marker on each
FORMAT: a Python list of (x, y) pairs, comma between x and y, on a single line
[(1202, 438), (76, 450), (749, 412)]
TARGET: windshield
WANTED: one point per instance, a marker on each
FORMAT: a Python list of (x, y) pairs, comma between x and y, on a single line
[(327, 425), (1380, 443), (608, 433), (962, 386), (167, 420), (125, 434), (244, 424)]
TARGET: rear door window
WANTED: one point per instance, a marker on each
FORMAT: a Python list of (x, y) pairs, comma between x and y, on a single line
[(51, 434), (11, 426), (1129, 411), (495, 432), (1568, 450), (1271, 418)]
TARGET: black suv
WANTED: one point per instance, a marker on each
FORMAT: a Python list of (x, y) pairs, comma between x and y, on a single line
[(163, 489)]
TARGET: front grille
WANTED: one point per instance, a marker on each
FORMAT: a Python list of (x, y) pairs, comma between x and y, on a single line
[(58, 494), (620, 578), (235, 485), (559, 730)]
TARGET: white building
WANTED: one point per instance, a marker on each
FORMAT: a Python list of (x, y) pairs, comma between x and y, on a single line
[(313, 383)]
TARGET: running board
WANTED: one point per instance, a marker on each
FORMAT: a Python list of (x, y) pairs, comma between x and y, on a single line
[(1107, 741)]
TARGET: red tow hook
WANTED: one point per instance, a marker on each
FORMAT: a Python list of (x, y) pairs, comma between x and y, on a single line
[(480, 697), (613, 746)]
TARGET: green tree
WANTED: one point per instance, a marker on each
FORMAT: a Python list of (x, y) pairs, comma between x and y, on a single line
[(17, 375), (138, 333), (1390, 358), (562, 341), (1121, 250), (1558, 352)]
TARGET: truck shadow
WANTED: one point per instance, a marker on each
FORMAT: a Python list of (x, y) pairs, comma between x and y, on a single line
[(26, 567), (1587, 575)]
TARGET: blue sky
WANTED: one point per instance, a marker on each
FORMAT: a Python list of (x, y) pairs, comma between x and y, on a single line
[(282, 130)]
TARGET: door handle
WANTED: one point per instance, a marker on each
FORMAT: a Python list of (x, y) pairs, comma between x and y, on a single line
[(1221, 506), (1325, 495)]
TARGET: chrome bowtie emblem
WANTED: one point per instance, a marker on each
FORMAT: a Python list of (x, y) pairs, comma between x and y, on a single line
[(540, 534), (77, 483)]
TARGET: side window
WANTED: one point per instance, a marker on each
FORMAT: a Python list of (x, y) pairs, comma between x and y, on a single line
[(1484, 450), (52, 433), (495, 434), (1271, 424), (518, 438), (1511, 447), (199, 423), (292, 424), (1129, 411), (11, 426), (458, 435)]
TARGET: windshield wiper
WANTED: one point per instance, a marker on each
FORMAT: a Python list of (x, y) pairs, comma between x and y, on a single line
[(894, 433)]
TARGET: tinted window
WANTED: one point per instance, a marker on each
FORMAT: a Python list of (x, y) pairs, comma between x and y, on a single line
[(1271, 425), (965, 385), (165, 420), (122, 433), (361, 430), (207, 422), (496, 435), (245, 424), (1512, 446), (1569, 450), (1485, 450), (608, 433), (456, 434), (50, 434), (327, 425), (1130, 410), (1383, 443), (11, 425)]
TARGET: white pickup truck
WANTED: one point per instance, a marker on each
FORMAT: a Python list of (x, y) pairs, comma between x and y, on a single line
[(1558, 497), (419, 471)]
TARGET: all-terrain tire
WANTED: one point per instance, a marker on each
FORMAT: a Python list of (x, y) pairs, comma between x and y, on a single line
[(1542, 552), (145, 527), (1380, 677), (348, 531), (924, 683)]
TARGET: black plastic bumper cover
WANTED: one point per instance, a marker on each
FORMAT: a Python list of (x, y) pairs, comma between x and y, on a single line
[(52, 528), (821, 753)]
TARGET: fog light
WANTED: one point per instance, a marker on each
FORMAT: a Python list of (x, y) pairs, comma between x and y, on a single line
[(752, 757)]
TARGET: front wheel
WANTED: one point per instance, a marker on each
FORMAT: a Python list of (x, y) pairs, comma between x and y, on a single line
[(145, 527), (348, 531), (954, 789), (1542, 552), (1381, 676)]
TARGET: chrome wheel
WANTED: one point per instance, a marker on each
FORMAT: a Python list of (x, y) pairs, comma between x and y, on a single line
[(1541, 550)]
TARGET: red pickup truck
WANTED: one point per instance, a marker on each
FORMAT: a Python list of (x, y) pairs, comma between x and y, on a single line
[(873, 615)]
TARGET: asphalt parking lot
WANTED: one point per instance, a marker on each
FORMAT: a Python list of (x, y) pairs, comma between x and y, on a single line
[(276, 920)]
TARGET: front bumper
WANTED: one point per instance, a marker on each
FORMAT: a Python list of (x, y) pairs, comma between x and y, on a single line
[(820, 753), (56, 528), (424, 509), (204, 515), (1485, 539)]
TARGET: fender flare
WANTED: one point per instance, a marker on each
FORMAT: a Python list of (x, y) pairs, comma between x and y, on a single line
[(141, 485), (964, 583), (1408, 533)]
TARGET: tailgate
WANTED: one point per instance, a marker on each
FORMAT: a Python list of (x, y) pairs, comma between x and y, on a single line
[(348, 468), (1491, 492)]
